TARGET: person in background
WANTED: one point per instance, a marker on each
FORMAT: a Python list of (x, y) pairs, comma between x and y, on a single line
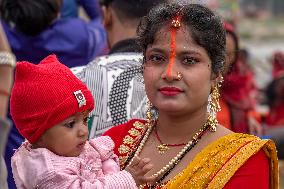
[(70, 8), (184, 51), (274, 120), (34, 30), (237, 92), (7, 64), (50, 108), (125, 97)]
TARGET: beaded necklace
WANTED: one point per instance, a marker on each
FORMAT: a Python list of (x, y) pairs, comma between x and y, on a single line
[(162, 173)]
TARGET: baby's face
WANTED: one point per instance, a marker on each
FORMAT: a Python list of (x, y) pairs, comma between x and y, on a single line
[(67, 138)]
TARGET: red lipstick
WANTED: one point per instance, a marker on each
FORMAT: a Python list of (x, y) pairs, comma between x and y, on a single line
[(170, 91)]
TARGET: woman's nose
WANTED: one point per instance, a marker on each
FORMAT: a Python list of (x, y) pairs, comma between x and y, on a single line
[(170, 73)]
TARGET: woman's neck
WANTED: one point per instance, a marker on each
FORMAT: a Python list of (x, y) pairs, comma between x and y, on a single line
[(179, 128)]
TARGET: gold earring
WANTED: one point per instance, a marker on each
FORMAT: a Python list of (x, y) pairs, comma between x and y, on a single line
[(179, 76), (149, 115), (214, 107)]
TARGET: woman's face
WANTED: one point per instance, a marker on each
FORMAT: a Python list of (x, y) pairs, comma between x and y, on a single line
[(169, 54)]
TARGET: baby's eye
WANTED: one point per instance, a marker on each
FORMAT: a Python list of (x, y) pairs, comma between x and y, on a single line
[(189, 60), (86, 120), (70, 124)]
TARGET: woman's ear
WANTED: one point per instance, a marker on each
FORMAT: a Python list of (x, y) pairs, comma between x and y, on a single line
[(217, 80), (107, 16)]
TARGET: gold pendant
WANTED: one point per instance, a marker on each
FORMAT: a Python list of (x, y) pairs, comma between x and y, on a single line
[(162, 148)]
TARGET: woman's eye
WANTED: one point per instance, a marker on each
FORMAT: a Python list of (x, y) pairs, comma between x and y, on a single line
[(155, 59), (70, 124), (86, 120), (189, 60)]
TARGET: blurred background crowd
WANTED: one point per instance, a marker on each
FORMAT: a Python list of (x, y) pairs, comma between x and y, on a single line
[(79, 31)]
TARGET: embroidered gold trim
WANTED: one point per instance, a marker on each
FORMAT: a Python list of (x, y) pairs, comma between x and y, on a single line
[(138, 125), (128, 142), (134, 132), (208, 162)]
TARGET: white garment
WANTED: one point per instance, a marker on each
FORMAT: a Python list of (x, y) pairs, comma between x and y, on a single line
[(116, 83)]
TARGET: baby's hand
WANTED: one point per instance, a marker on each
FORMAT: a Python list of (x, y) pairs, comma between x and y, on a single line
[(138, 168)]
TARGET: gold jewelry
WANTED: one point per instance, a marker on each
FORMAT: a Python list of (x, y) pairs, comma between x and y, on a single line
[(176, 22), (174, 161), (149, 114), (214, 106), (179, 76), (7, 59), (163, 147)]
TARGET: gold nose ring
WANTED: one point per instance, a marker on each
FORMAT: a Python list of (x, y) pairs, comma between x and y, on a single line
[(179, 76)]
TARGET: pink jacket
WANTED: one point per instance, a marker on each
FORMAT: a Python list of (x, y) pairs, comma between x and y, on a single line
[(96, 168)]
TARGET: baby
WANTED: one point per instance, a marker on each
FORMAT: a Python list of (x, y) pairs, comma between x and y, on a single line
[(50, 108)]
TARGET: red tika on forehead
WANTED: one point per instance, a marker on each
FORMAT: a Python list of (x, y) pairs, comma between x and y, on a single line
[(173, 51), (176, 24)]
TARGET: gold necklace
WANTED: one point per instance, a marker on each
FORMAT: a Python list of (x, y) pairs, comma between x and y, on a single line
[(163, 147), (174, 161)]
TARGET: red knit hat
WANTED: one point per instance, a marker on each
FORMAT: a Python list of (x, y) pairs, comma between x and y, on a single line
[(44, 95)]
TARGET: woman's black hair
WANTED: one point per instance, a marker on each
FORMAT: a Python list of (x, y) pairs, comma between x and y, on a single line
[(206, 28), (30, 17)]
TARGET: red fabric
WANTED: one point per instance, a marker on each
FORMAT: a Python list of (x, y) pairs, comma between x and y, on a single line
[(238, 85), (117, 133), (224, 116), (229, 27), (43, 96), (237, 91), (253, 174)]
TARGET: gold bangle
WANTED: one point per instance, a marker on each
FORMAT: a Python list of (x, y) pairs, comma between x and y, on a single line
[(7, 58)]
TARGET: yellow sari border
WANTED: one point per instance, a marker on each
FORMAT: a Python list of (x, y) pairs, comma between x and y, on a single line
[(214, 166)]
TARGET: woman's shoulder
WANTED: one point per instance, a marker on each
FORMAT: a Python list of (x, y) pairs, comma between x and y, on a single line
[(121, 130), (126, 136)]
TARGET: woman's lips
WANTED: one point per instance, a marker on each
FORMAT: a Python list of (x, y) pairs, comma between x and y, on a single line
[(170, 91)]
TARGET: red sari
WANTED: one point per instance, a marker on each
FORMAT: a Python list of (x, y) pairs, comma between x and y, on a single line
[(244, 172)]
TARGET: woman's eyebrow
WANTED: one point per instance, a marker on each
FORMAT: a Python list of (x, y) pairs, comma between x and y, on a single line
[(156, 49)]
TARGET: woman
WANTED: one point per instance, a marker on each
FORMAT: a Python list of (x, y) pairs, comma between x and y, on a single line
[(184, 47)]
